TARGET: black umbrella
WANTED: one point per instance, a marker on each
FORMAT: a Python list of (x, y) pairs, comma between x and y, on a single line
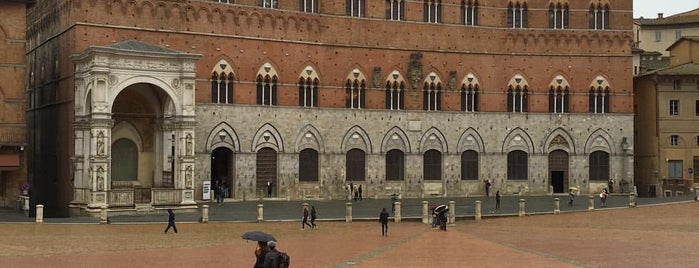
[(258, 236), (441, 209)]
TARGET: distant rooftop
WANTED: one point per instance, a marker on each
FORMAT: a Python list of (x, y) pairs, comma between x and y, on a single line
[(688, 17)]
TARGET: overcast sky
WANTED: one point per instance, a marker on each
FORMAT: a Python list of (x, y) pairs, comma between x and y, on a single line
[(649, 9)]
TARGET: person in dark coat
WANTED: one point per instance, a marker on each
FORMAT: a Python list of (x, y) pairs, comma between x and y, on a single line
[(383, 218), (170, 221), (360, 192), (305, 219), (260, 253), (272, 256), (313, 217), (497, 200)]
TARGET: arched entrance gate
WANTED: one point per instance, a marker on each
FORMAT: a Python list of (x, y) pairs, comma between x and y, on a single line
[(134, 126)]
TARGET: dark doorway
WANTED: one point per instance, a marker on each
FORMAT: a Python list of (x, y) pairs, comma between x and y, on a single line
[(557, 181), (266, 170), (558, 170), (222, 170)]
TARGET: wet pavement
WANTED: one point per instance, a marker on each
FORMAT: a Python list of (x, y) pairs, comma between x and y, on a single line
[(655, 234), (366, 209)]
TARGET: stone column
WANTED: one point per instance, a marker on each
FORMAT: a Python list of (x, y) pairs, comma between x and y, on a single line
[(204, 213), (591, 203), (632, 200), (348, 212), (260, 212), (103, 215), (398, 216), (425, 212), (452, 212), (478, 210), (39, 214), (521, 207), (556, 206)]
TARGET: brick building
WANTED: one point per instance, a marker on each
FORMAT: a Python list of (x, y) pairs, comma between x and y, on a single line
[(143, 101), (13, 174)]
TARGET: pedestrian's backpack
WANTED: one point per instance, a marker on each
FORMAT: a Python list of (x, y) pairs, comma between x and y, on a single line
[(283, 260)]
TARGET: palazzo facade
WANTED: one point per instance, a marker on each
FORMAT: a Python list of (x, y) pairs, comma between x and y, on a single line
[(142, 101)]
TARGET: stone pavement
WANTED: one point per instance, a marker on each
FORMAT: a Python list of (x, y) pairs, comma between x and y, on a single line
[(368, 209), (649, 236)]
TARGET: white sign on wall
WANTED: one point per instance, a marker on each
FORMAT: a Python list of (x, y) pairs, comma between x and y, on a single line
[(206, 192)]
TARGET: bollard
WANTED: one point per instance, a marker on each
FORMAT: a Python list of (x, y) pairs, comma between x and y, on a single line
[(591, 203), (521, 208), (452, 212), (398, 217), (696, 193), (556, 206), (260, 212), (348, 212), (632, 200), (39, 213), (204, 213), (425, 212), (103, 215), (478, 210)]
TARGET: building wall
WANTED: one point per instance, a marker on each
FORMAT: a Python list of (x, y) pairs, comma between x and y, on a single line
[(12, 100), (333, 44), (646, 34)]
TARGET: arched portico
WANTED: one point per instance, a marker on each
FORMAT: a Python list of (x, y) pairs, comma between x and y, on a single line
[(137, 99)]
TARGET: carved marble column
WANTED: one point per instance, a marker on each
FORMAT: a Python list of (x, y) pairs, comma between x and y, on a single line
[(184, 179)]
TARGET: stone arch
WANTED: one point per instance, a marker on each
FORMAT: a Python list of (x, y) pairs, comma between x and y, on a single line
[(395, 138), (470, 79), (309, 72), (357, 74), (433, 139), (224, 66), (470, 140), (158, 82), (518, 139), (559, 81), (356, 137), (599, 140), (127, 130), (559, 139), (267, 136), (268, 69), (309, 137), (222, 135)]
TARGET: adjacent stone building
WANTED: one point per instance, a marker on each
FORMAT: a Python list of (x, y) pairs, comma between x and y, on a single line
[(141, 101), (13, 173), (667, 123), (654, 35)]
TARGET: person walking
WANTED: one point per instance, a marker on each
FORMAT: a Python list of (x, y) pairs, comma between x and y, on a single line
[(603, 197), (272, 256), (497, 200), (383, 218), (260, 253), (360, 192), (170, 221), (313, 217), (487, 188), (305, 219), (269, 189), (571, 197)]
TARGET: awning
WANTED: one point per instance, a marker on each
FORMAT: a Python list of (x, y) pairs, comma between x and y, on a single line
[(9, 161)]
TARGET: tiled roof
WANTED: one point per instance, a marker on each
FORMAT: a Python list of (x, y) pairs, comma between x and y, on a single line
[(691, 16), (136, 45), (682, 69)]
